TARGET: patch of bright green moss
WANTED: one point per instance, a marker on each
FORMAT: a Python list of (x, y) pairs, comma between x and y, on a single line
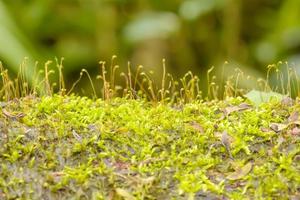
[(65, 147)]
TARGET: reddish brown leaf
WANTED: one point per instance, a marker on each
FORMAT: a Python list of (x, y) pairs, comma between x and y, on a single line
[(293, 117), (121, 165), (287, 101), (7, 114), (295, 197), (297, 158), (244, 106), (12, 115), (264, 129), (295, 131), (231, 109), (277, 127), (197, 126)]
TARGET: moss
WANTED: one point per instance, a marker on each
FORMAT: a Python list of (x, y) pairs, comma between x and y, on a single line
[(63, 147)]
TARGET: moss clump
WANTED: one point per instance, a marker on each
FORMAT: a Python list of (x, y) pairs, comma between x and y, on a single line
[(64, 147)]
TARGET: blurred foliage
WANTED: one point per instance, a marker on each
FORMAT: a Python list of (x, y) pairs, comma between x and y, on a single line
[(190, 34)]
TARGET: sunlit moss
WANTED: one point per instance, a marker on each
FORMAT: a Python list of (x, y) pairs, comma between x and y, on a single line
[(70, 146)]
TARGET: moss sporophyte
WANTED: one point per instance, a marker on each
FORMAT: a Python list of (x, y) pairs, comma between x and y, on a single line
[(149, 143)]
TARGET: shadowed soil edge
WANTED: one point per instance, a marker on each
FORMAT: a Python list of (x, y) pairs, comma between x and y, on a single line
[(76, 148)]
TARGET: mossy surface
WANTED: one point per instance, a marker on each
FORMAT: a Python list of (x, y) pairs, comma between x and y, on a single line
[(69, 147)]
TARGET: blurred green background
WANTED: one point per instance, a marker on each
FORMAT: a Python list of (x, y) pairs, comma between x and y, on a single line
[(191, 34)]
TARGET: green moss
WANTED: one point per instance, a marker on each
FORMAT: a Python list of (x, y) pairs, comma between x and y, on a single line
[(74, 147)]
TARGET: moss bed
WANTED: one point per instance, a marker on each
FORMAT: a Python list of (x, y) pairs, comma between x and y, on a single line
[(70, 147)]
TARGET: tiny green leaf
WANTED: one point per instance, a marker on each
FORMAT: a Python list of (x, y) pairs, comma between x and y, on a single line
[(258, 97)]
